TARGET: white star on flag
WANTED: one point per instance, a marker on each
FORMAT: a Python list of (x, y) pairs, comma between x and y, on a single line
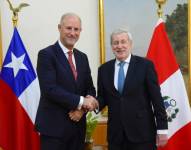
[(16, 64)]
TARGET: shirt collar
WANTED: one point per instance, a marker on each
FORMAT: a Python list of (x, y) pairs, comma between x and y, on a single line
[(65, 50), (127, 60)]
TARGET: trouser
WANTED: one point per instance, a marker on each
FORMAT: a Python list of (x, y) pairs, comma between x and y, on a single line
[(126, 144), (55, 143)]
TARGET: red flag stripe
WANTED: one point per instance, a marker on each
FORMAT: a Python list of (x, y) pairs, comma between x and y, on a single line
[(160, 51), (16, 123), (181, 140)]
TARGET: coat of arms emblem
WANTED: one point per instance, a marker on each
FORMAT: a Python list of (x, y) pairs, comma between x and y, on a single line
[(171, 109)]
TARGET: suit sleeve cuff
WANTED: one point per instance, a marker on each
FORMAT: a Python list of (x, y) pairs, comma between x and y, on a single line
[(81, 102), (162, 131)]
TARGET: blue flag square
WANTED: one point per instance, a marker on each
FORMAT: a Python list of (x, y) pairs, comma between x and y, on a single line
[(17, 70)]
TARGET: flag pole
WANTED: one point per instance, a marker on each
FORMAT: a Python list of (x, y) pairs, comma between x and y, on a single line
[(159, 10), (15, 11), (15, 19)]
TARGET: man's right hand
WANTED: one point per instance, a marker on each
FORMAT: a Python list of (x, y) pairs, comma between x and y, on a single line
[(90, 103)]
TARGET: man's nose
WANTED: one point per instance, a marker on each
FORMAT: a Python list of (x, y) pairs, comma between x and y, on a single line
[(72, 31), (119, 45)]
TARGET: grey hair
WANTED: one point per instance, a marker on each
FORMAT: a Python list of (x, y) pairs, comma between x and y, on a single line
[(68, 15), (120, 31)]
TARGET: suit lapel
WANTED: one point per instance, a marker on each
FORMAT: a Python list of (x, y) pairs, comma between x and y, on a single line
[(130, 73), (63, 60), (111, 72)]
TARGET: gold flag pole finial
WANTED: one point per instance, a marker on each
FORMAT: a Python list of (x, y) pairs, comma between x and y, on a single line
[(15, 11), (159, 10)]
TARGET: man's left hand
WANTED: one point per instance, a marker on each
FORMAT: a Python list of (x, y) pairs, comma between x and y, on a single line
[(161, 140), (76, 115)]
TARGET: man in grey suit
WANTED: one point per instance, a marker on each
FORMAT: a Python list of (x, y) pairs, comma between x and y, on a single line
[(128, 85)]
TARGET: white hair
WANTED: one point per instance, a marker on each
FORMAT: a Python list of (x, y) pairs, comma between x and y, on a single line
[(119, 31), (68, 15)]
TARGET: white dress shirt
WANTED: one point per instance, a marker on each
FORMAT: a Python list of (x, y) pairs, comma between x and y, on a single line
[(65, 50), (125, 68)]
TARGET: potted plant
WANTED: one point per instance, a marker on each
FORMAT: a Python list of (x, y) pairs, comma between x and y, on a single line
[(91, 122)]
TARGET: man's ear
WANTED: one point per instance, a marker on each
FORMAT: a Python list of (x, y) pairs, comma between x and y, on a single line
[(59, 27)]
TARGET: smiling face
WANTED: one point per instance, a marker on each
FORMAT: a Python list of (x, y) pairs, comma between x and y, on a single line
[(121, 45), (69, 28)]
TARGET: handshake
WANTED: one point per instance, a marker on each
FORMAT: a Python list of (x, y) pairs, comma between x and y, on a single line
[(90, 103)]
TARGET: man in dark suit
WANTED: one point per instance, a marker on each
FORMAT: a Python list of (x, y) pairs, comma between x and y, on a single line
[(67, 90), (128, 85)]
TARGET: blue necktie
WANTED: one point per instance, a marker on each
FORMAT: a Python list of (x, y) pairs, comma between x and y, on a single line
[(121, 77)]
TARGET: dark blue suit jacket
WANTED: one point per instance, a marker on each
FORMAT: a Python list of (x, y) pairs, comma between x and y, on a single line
[(60, 93), (131, 112)]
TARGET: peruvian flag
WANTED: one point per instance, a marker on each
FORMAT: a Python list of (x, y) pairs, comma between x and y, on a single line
[(173, 90), (19, 99)]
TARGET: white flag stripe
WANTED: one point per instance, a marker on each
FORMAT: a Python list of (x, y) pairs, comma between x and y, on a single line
[(175, 89), (30, 99), (160, 20)]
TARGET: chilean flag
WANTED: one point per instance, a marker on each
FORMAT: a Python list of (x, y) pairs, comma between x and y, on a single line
[(19, 99), (173, 90)]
